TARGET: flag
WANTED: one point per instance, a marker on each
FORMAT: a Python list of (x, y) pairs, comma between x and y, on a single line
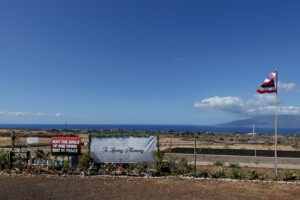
[(269, 84)]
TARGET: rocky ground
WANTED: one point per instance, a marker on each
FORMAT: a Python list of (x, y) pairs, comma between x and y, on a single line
[(24, 187)]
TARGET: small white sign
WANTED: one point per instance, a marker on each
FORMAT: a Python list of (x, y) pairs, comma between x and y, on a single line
[(32, 140)]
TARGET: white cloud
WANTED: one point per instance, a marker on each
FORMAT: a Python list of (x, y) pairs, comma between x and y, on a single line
[(23, 114), (58, 115), (288, 110), (224, 104), (286, 86), (38, 114), (258, 105)]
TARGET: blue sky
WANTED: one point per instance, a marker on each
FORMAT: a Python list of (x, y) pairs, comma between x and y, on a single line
[(146, 62)]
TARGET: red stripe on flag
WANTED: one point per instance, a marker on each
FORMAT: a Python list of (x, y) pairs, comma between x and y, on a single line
[(265, 91)]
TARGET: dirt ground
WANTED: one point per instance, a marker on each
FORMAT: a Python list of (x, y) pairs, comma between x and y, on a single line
[(166, 141), (133, 188)]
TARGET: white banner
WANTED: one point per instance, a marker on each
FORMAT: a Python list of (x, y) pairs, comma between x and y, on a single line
[(32, 140), (122, 149)]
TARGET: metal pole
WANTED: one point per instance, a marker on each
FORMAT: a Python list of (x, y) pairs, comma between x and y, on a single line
[(158, 151), (195, 154), (254, 140), (157, 141), (276, 162)]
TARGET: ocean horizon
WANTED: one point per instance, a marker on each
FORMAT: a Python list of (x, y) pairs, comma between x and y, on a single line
[(148, 127)]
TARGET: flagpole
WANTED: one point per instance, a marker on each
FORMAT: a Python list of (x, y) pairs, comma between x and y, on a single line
[(276, 162)]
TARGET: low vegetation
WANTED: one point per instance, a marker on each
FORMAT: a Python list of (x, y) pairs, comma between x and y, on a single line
[(4, 159), (218, 163), (161, 167), (236, 174), (253, 175), (289, 175)]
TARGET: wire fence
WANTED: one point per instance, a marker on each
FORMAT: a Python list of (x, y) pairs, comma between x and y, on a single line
[(245, 150), (205, 150)]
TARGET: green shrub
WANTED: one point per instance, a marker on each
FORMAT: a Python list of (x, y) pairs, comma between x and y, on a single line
[(183, 167), (66, 165), (289, 175), (263, 176), (219, 173), (236, 174), (203, 174), (253, 175), (85, 161), (218, 163), (131, 166), (109, 168), (158, 157), (234, 165), (177, 166), (180, 166), (4, 159), (138, 166), (191, 174)]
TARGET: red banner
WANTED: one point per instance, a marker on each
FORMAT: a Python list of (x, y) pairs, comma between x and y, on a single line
[(67, 146)]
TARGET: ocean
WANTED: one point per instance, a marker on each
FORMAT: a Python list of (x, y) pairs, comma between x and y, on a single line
[(162, 128)]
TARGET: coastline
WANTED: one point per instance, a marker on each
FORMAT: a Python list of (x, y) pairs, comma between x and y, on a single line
[(147, 127)]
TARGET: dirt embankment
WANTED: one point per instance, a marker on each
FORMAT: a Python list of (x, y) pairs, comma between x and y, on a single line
[(133, 188)]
